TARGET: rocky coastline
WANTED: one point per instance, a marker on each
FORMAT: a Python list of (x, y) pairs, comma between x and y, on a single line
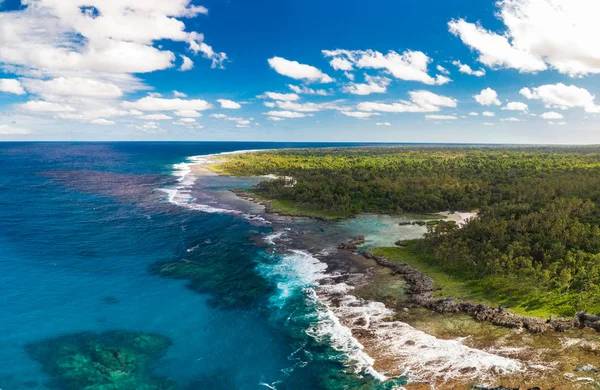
[(422, 286)]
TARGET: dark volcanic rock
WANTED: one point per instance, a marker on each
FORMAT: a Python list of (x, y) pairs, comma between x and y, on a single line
[(352, 244), (421, 286)]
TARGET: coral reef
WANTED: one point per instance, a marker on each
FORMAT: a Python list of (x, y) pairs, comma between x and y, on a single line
[(116, 360)]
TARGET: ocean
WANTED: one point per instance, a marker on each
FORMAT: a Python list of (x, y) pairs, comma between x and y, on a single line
[(97, 248)]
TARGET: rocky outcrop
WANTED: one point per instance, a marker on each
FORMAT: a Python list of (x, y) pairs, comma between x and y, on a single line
[(352, 244), (421, 287)]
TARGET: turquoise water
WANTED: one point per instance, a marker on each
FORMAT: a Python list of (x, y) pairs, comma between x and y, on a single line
[(84, 239)]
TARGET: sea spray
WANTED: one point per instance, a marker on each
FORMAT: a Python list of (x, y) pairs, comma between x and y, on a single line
[(296, 274)]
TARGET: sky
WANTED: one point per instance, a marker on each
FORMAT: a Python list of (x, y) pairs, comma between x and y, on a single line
[(452, 71)]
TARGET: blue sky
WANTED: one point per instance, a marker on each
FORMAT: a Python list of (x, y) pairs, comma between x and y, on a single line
[(510, 71)]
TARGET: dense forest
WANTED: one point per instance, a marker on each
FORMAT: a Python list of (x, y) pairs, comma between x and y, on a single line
[(538, 219)]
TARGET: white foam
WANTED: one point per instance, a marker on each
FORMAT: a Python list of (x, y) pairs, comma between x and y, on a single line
[(180, 194), (298, 272), (420, 355)]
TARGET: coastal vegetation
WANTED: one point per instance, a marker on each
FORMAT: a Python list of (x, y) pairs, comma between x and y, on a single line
[(534, 246)]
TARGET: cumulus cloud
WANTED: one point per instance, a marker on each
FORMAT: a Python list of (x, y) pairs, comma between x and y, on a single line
[(443, 70), (150, 103), (286, 114), (178, 94), (487, 97), (298, 71), (383, 124), (43, 106), (488, 113), (463, 68), (410, 65), (187, 63), (538, 33), (288, 97), (515, 106), (420, 101), (63, 87), (359, 114), (188, 113), (474, 114), (552, 115), (306, 107), (512, 119), (308, 91), (372, 85), (562, 97), (11, 86), (489, 124), (156, 117), (229, 104), (107, 37)]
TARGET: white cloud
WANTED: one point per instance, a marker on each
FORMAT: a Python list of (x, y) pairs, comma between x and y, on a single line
[(383, 124), (178, 94), (557, 123), (488, 113), (218, 116), (538, 33), (487, 97), (229, 104), (287, 114), (515, 106), (156, 117), (340, 63), (275, 119), (43, 106), (306, 107), (288, 97), (474, 114), (52, 36), (512, 119), (298, 71), (373, 85), (463, 68), (409, 66), (308, 91), (488, 124), (150, 103), (359, 114), (562, 96), (441, 117), (11, 86), (443, 70), (9, 130), (187, 64), (102, 122), (420, 101), (188, 113), (62, 87), (552, 115)]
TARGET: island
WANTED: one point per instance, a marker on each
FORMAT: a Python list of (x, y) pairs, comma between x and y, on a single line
[(533, 247)]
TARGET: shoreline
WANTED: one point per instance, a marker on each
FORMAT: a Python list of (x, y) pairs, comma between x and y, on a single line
[(338, 291)]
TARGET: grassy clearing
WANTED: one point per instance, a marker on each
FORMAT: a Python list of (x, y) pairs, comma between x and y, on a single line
[(520, 296)]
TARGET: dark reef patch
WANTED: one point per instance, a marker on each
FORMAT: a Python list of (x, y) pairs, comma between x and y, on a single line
[(230, 284), (116, 360)]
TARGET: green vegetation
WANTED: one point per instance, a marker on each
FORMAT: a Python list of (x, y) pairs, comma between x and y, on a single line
[(115, 360), (534, 246)]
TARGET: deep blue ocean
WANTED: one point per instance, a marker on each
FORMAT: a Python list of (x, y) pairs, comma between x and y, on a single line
[(83, 231)]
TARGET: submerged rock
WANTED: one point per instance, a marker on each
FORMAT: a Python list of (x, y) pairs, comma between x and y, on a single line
[(117, 360), (586, 368)]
